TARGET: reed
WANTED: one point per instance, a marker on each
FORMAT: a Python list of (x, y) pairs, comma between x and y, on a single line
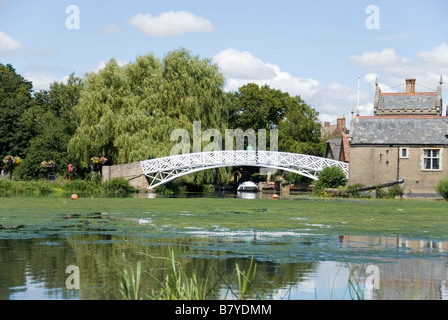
[(177, 285), (130, 283), (246, 280)]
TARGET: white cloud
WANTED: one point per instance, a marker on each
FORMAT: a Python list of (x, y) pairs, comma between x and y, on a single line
[(371, 78), (43, 81), (392, 69), (438, 56), (110, 29), (170, 24), (385, 58), (9, 45), (241, 67)]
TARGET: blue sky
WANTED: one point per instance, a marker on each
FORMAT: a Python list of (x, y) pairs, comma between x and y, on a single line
[(316, 49)]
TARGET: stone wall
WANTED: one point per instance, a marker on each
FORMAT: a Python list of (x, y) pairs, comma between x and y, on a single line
[(130, 171), (376, 165)]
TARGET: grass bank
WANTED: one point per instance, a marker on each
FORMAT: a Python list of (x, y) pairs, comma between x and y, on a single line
[(91, 185)]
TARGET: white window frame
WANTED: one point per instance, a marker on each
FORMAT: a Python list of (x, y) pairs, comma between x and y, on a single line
[(401, 153), (424, 157)]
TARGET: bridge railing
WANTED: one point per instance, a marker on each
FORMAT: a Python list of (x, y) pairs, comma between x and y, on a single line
[(258, 158)]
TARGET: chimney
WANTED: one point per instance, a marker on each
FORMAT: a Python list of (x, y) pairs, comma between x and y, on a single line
[(410, 86), (341, 123), (327, 124)]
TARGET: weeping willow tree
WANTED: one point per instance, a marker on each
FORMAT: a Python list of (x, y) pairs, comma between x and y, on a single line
[(127, 113)]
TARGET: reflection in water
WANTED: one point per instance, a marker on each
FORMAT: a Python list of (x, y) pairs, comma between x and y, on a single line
[(34, 268), (247, 195), (221, 194), (417, 277), (292, 264)]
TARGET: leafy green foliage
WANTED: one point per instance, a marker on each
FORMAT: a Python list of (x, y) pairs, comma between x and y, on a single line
[(296, 179), (15, 99), (395, 191), (300, 129), (442, 188), (331, 177), (129, 112), (25, 187), (53, 122), (255, 107), (119, 185)]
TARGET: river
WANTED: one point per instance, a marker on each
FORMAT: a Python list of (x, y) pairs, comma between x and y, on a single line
[(38, 253)]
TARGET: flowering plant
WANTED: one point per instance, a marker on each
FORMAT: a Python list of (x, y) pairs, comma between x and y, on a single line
[(95, 160), (49, 164), (7, 160)]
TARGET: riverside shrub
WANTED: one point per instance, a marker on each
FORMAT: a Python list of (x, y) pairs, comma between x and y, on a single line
[(331, 177), (442, 188)]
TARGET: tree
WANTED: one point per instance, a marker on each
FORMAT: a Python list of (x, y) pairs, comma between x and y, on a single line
[(255, 107), (300, 129), (128, 113), (15, 99), (52, 122)]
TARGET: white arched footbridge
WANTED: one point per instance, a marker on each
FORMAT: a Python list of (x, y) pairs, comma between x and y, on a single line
[(163, 170)]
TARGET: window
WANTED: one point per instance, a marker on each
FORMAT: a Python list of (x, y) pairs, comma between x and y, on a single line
[(431, 159), (404, 153)]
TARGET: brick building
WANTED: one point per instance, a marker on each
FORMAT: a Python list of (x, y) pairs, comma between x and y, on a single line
[(337, 140), (406, 139)]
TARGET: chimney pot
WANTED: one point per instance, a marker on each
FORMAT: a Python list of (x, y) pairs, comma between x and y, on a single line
[(410, 86)]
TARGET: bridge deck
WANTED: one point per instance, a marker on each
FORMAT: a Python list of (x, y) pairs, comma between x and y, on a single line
[(163, 170)]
